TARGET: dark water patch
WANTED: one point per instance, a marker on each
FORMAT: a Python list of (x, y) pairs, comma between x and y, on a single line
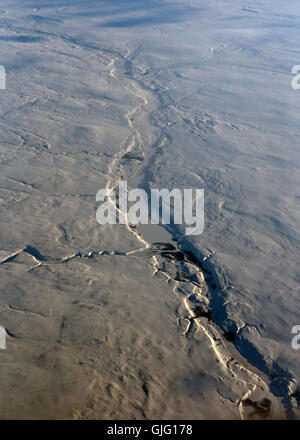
[(12, 335), (201, 312), (230, 336), (129, 156), (145, 389), (177, 255), (262, 408), (119, 253), (8, 259), (190, 256), (34, 253)]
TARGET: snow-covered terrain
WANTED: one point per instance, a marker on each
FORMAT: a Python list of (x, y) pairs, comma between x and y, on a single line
[(121, 322)]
